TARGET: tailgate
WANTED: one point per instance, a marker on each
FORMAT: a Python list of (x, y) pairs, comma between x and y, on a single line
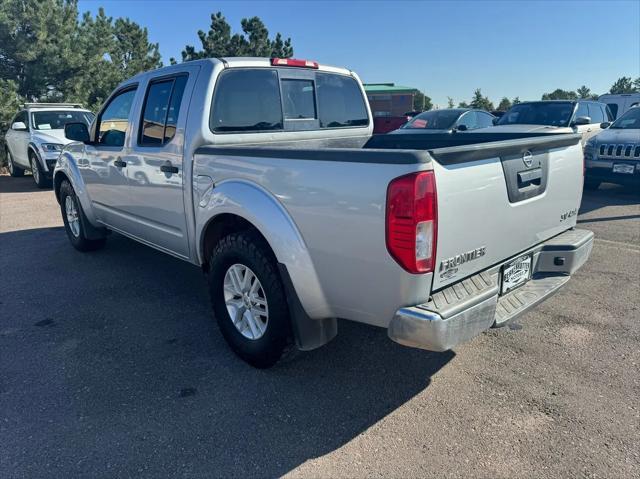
[(498, 199)]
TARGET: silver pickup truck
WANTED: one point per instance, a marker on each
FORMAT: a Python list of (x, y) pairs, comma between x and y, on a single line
[(265, 173)]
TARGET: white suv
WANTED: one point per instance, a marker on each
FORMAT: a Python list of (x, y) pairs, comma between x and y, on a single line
[(36, 138)]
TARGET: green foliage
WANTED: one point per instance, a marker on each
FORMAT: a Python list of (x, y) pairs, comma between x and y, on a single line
[(9, 103), (421, 102), (585, 93), (51, 56), (560, 94), (480, 102), (450, 103), (504, 104), (515, 101), (253, 42), (625, 85), (463, 104)]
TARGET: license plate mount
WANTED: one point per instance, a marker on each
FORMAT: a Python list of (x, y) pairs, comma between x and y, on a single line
[(623, 168), (516, 272)]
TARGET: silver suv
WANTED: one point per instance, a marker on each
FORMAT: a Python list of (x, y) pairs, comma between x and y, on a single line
[(36, 138)]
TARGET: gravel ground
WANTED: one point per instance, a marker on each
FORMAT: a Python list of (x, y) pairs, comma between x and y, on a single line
[(111, 367)]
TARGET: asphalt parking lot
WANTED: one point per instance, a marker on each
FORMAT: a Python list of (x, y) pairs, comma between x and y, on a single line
[(110, 366)]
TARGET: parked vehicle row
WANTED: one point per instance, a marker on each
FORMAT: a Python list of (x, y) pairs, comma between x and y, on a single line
[(265, 173)]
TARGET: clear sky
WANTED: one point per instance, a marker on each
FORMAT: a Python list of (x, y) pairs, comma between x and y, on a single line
[(445, 48)]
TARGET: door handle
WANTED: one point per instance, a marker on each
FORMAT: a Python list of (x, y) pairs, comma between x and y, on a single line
[(119, 163), (168, 168)]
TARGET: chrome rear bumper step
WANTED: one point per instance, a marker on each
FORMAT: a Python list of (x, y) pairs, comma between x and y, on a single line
[(465, 309)]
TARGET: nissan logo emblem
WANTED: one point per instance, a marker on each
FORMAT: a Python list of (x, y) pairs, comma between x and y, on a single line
[(527, 159)]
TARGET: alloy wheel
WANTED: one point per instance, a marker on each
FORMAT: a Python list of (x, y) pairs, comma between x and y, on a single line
[(35, 171), (73, 219), (246, 301)]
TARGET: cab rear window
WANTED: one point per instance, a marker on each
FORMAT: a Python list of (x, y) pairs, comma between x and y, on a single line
[(255, 100)]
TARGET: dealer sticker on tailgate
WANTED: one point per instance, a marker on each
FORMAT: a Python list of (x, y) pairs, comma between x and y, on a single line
[(516, 273)]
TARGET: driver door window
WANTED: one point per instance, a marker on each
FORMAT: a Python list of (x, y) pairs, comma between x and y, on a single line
[(114, 120)]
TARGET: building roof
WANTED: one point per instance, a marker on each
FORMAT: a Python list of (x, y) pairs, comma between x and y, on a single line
[(387, 88)]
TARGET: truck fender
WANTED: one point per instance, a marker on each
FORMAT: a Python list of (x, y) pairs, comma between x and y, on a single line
[(67, 168), (260, 208)]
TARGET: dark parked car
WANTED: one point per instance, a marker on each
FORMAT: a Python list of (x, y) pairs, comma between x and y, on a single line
[(447, 121), (613, 155)]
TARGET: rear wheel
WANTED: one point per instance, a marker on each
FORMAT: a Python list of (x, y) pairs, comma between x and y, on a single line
[(591, 184), (38, 175), (249, 301), (73, 218), (14, 170)]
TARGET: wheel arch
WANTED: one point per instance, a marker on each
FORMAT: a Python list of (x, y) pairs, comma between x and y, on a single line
[(67, 169), (241, 204), (309, 333)]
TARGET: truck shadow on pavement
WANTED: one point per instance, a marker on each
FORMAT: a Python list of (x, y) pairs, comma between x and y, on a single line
[(113, 366)]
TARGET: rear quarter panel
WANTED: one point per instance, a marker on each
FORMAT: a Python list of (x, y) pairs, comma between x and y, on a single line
[(339, 210)]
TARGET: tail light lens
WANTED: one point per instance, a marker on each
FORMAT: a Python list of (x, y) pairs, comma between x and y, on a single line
[(412, 221)]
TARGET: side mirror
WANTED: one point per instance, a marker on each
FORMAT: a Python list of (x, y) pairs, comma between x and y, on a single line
[(461, 128), (605, 125), (495, 121), (77, 132), (19, 126), (582, 120)]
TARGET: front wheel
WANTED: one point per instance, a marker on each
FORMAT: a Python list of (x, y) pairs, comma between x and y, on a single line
[(14, 170), (38, 175), (73, 218), (249, 301)]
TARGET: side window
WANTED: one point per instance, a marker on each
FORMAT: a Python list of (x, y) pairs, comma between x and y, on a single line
[(595, 112), (609, 115), (298, 99), (582, 110), (468, 120), (340, 101), (160, 111), (484, 119), (246, 100), (174, 107), (114, 119), (613, 108)]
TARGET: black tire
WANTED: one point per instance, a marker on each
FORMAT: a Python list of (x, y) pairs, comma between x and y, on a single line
[(14, 170), (39, 177), (249, 249), (591, 184), (80, 240)]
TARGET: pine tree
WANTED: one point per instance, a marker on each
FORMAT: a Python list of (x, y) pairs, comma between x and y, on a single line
[(253, 42)]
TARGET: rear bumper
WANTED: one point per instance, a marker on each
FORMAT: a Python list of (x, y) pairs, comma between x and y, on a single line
[(467, 308)]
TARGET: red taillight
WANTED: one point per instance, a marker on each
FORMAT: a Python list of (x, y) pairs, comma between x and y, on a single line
[(292, 62), (412, 221)]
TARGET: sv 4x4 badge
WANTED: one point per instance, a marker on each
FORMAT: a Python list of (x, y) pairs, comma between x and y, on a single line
[(568, 214)]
